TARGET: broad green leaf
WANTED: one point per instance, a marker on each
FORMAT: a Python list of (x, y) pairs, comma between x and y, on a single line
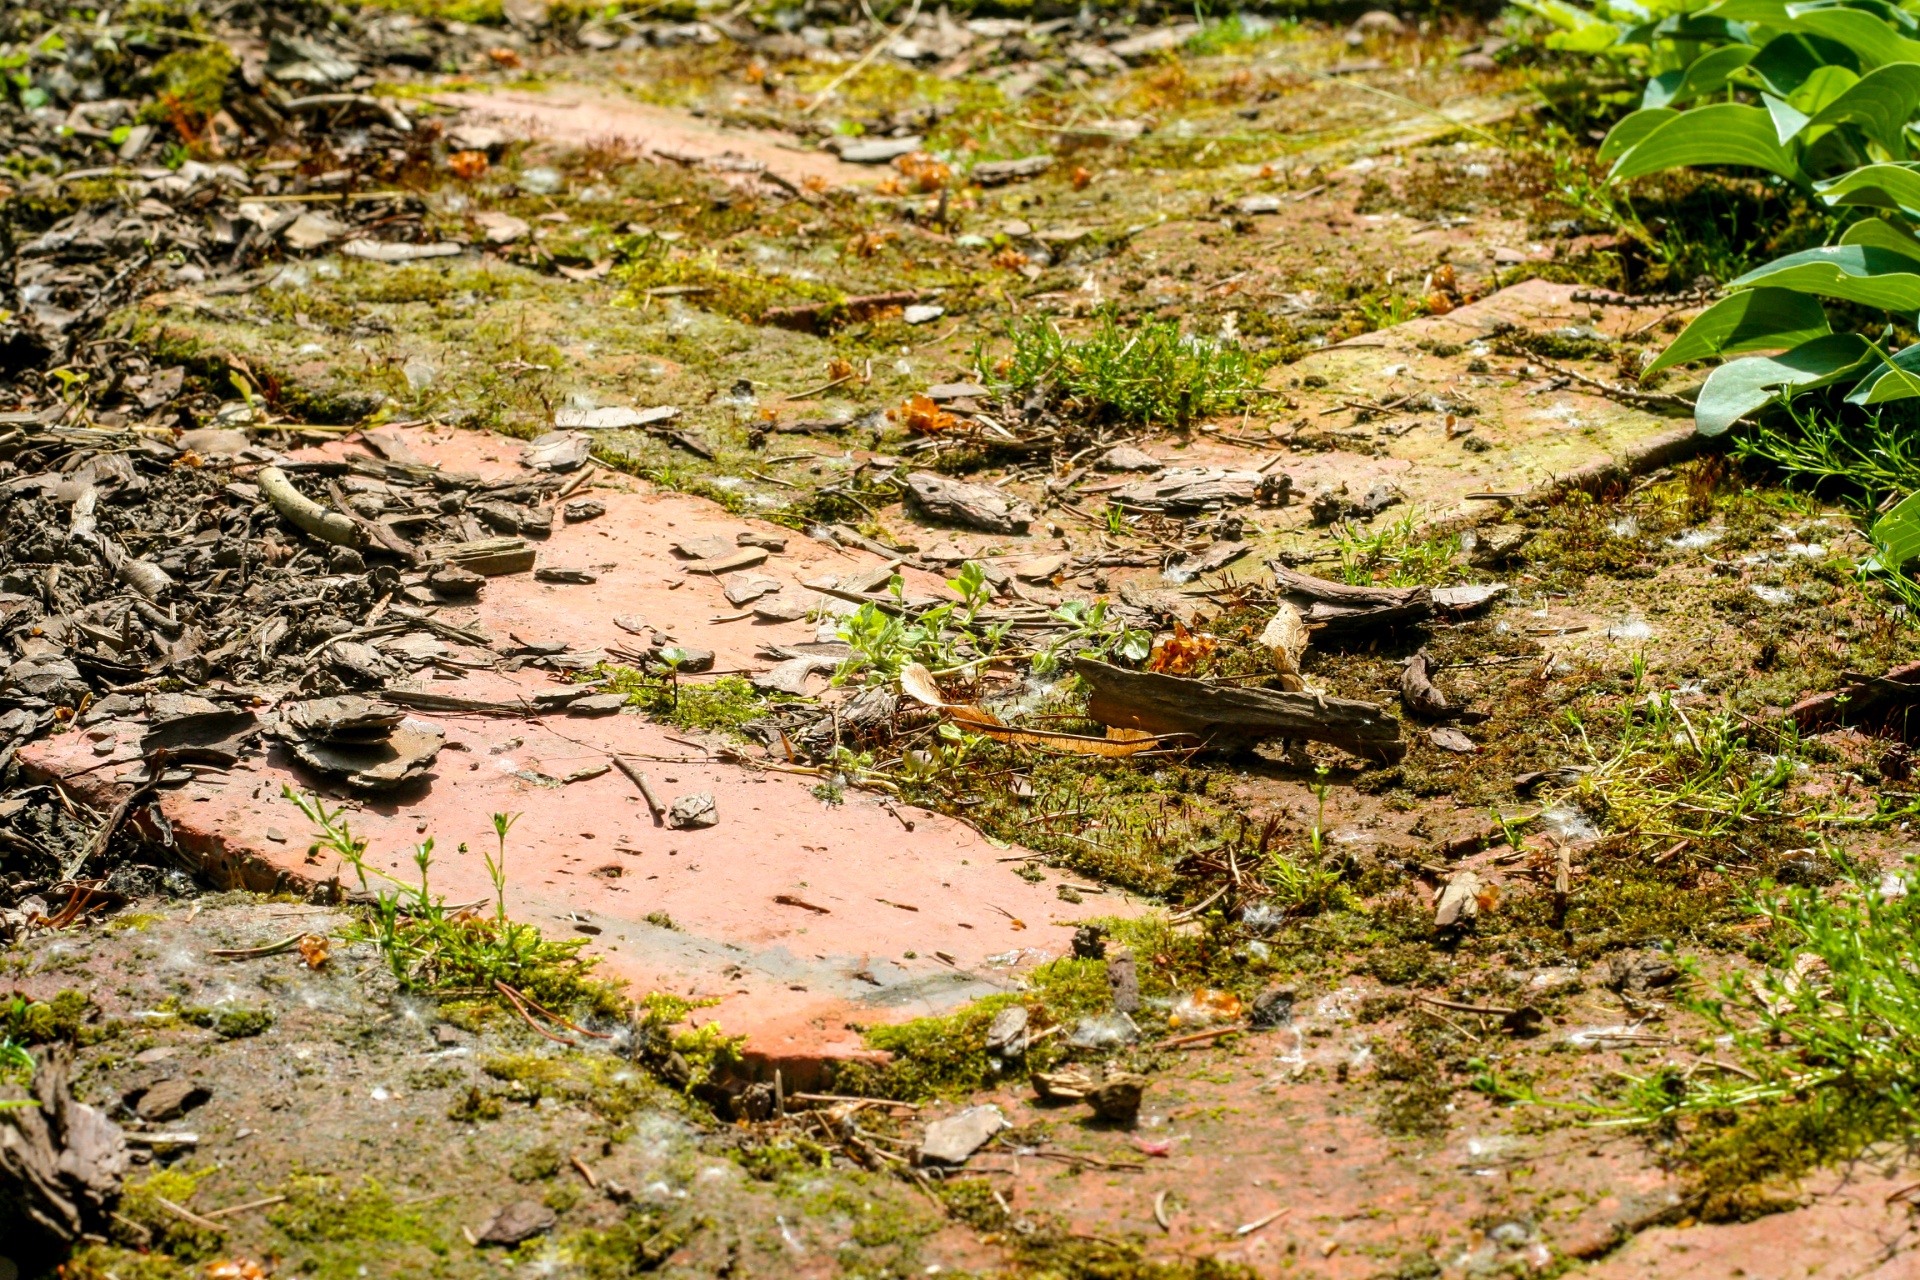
[(1660, 90), (1897, 533), (1772, 13), (1891, 14), (1751, 320), (1866, 274), (1897, 378), (1878, 186), (1785, 62), (1740, 386), (1563, 15), (1788, 120), (1881, 103), (1821, 88), (1704, 77), (1580, 31), (1626, 135), (1878, 233), (1725, 133), (1872, 40)]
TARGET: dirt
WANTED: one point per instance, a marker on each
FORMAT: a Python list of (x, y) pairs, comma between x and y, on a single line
[(640, 211)]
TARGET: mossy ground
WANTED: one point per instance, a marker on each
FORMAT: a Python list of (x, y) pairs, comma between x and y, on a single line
[(693, 264)]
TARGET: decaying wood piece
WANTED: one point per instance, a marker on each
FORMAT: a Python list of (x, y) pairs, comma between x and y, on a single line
[(1221, 715), (1204, 489), (328, 526), (1286, 638), (1335, 607), (61, 1163), (1417, 690), (975, 505), (488, 557)]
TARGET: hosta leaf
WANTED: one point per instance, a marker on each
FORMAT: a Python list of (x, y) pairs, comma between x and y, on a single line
[(1872, 40), (1785, 62), (1660, 90), (1626, 135), (1752, 320), (1897, 378), (1866, 274), (1788, 120), (1823, 87), (1725, 133), (1739, 387), (1881, 103), (1897, 533), (1878, 186), (1706, 75), (1771, 13), (1891, 14), (1878, 233)]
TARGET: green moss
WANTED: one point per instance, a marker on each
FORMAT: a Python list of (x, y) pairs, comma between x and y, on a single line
[(476, 1104), (535, 1164), (713, 286), (722, 705), (947, 1055), (189, 85), (484, 13), (334, 1229), (635, 1246), (69, 1016), (610, 1088), (112, 1262), (169, 1232)]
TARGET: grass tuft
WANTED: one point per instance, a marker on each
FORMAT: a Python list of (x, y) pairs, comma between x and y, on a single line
[(1152, 375)]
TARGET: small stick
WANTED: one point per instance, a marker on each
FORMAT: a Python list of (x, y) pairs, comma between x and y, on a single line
[(1212, 1033), (842, 1097), (1160, 1211), (1248, 1228), (242, 1208), (1492, 1011), (188, 1215), (585, 1172), (639, 780)]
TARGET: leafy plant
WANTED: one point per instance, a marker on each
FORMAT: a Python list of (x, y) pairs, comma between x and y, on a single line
[(1152, 374), (884, 640), (1833, 1022), (1093, 633), (453, 951), (1823, 97)]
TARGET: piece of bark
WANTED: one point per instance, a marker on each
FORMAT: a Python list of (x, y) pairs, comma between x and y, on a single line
[(974, 505), (1336, 607), (1452, 740), (62, 1163), (997, 173), (1123, 982), (813, 316), (1225, 715), (1204, 489), (1417, 690), (488, 557)]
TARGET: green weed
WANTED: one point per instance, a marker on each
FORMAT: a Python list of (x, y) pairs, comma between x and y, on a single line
[(459, 953), (1395, 553), (1153, 374)]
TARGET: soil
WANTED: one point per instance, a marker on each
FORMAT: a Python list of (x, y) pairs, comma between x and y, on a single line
[(632, 211)]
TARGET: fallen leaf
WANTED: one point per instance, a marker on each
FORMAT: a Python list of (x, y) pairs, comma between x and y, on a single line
[(1182, 653), (922, 417), (468, 165)]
